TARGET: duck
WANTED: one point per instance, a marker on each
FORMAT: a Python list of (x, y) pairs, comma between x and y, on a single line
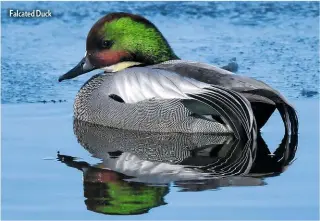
[(145, 86)]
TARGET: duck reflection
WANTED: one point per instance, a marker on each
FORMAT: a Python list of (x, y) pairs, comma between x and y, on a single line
[(137, 168)]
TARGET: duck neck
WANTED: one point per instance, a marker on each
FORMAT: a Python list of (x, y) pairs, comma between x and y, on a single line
[(159, 56)]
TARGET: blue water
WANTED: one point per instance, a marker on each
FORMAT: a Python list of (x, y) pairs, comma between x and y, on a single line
[(274, 42), (277, 43)]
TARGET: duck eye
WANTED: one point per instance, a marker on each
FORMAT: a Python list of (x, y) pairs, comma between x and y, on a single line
[(107, 43)]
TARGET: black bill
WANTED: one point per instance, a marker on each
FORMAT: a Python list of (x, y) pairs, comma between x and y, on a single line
[(83, 67)]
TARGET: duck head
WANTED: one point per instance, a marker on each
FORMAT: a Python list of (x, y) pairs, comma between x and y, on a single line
[(121, 40)]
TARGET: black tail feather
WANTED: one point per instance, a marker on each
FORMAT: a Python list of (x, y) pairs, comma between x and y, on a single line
[(287, 112)]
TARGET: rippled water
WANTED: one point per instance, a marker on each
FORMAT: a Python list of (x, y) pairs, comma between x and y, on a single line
[(274, 42), (57, 168)]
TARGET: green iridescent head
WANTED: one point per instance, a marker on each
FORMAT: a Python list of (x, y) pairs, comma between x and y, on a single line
[(122, 38)]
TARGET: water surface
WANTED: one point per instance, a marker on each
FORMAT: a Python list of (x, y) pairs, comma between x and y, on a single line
[(274, 42)]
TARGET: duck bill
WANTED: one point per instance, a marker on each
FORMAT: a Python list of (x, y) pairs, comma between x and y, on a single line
[(83, 67)]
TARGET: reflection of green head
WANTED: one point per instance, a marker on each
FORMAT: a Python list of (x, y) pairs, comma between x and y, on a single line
[(123, 198)]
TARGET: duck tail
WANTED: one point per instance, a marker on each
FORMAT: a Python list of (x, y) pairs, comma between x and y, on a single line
[(287, 112)]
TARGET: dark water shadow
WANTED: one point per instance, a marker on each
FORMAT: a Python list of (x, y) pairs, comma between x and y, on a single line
[(137, 168)]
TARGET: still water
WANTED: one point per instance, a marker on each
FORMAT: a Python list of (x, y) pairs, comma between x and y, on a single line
[(54, 167)]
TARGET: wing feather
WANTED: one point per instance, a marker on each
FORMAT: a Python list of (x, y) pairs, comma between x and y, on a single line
[(254, 90), (144, 83)]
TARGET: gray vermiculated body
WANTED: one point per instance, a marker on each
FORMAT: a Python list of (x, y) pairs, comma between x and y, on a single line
[(94, 105), (157, 90)]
